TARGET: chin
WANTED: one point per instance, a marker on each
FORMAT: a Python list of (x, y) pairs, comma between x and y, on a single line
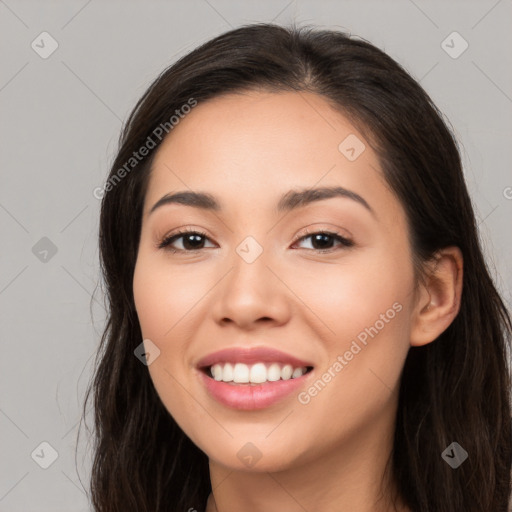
[(253, 456)]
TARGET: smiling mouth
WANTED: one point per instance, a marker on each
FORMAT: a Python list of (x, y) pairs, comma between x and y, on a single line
[(240, 374)]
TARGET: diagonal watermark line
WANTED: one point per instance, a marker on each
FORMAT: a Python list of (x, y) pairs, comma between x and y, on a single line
[(425, 14), (279, 423), (81, 489), (485, 15), (198, 403), (223, 480), (13, 13), (81, 286), (302, 96), (199, 300), (13, 279), (74, 218), (70, 430), (14, 76), (76, 424), (380, 380), (73, 17), (424, 76), (287, 492), (492, 81), (91, 90), (14, 218), (219, 13), (14, 423), (14, 485), (300, 299), (488, 215), (281, 11)]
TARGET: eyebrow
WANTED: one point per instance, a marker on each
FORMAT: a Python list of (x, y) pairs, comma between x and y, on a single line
[(291, 200)]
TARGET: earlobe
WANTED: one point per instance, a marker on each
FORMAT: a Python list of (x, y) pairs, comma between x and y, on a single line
[(438, 302)]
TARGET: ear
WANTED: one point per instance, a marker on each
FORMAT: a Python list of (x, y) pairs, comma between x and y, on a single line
[(438, 298)]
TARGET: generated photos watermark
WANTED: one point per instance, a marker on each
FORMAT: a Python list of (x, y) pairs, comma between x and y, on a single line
[(156, 136), (304, 397)]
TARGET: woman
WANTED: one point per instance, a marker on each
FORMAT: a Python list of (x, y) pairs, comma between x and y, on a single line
[(300, 316)]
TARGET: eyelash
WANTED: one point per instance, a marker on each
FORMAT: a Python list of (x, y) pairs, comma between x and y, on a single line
[(165, 243)]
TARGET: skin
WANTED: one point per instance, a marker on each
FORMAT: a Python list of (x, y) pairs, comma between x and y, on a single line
[(247, 150)]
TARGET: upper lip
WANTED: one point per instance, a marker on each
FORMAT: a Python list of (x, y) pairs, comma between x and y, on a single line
[(250, 356)]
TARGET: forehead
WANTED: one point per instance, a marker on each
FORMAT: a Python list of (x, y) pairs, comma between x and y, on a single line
[(271, 126), (259, 145)]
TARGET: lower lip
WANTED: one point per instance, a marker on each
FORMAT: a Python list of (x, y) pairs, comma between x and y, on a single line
[(252, 396)]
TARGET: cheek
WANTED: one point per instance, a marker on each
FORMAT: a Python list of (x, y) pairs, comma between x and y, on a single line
[(349, 296), (165, 297), (363, 308), (160, 304), (168, 304)]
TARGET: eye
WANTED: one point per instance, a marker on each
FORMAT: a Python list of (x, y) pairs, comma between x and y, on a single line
[(191, 241), (322, 240)]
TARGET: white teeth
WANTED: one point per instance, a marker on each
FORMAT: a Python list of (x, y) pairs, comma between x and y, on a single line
[(227, 372), (286, 372), (257, 373), (274, 372), (216, 370), (297, 373), (241, 373)]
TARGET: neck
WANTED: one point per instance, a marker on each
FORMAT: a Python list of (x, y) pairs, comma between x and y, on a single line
[(350, 477)]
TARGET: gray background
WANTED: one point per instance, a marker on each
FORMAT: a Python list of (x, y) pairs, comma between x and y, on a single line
[(60, 122)]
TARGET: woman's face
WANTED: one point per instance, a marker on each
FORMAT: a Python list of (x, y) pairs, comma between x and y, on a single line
[(258, 279)]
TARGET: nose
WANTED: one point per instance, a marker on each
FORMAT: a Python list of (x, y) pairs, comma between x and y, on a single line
[(252, 294)]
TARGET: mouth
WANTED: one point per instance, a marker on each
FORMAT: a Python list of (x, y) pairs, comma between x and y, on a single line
[(250, 387), (241, 374), (251, 378)]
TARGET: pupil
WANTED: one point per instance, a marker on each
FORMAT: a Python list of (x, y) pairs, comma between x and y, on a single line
[(318, 237), (186, 241)]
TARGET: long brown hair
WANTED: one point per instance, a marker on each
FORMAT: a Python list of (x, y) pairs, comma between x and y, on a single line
[(456, 388)]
